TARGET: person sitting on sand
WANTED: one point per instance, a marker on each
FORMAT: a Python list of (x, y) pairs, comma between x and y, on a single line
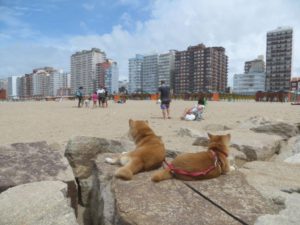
[(195, 112)]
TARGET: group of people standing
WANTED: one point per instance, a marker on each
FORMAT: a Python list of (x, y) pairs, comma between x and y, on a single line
[(99, 96)]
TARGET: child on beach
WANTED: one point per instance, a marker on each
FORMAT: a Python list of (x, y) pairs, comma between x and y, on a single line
[(194, 113), (94, 98)]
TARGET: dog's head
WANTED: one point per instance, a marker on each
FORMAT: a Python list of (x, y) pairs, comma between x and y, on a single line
[(219, 139), (138, 128)]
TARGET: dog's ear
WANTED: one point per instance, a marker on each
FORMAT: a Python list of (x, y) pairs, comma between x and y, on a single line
[(209, 135), (130, 122)]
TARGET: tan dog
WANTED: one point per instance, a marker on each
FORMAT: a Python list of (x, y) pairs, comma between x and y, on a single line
[(209, 164), (148, 154)]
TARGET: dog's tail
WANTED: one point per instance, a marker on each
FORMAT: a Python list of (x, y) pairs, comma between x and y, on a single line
[(162, 175)]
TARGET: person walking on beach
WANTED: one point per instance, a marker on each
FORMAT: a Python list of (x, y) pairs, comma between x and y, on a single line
[(164, 93), (79, 95), (101, 96)]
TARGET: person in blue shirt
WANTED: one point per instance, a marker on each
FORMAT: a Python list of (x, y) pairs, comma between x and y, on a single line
[(79, 95)]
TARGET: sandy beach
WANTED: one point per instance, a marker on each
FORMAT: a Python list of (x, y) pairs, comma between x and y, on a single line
[(59, 121)]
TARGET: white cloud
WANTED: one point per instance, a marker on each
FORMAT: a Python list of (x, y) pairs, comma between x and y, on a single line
[(88, 6), (239, 26)]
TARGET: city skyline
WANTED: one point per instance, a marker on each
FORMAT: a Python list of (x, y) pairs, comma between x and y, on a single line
[(39, 34)]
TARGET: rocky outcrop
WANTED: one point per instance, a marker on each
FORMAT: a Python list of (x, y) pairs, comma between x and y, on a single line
[(23, 163), (37, 203), (254, 146), (279, 182), (216, 127), (141, 201), (282, 129)]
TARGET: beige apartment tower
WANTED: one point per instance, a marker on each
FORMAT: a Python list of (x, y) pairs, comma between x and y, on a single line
[(83, 69)]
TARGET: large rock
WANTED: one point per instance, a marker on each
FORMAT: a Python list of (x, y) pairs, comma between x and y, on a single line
[(23, 163), (255, 146), (289, 149), (81, 151), (279, 182), (216, 127), (172, 202), (282, 129), (274, 127), (38, 203)]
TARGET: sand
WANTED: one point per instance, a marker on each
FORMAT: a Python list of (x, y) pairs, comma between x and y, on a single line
[(59, 121)]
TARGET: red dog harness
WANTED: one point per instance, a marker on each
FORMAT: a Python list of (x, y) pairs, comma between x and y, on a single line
[(194, 174)]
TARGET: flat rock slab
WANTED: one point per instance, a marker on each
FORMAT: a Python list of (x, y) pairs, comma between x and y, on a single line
[(233, 193), (38, 203), (140, 201), (23, 163)]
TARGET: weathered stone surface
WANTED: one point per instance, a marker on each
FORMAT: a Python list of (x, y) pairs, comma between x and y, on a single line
[(255, 146), (141, 201), (38, 203), (29, 162), (254, 121), (272, 179), (289, 149), (81, 151), (288, 216), (216, 127), (282, 129), (233, 193), (279, 182), (188, 132), (295, 159)]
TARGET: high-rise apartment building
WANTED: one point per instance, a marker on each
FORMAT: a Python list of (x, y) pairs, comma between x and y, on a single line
[(256, 65), (40, 83), (135, 74), (59, 83), (253, 80), (279, 59), (12, 86), (166, 67), (83, 69), (3, 84), (200, 69), (150, 74), (26, 86), (108, 75)]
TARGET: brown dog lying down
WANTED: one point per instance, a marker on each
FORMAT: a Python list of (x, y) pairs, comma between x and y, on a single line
[(201, 165), (148, 154)]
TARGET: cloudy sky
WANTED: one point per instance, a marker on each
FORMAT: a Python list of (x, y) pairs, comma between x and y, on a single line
[(37, 33)]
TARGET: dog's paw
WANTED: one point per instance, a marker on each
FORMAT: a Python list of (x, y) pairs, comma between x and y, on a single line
[(231, 168), (109, 160)]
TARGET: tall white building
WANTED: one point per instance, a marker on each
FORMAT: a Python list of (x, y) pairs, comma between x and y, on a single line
[(166, 66), (83, 69), (13, 86), (135, 74), (41, 83), (253, 80), (150, 74), (59, 81), (111, 77)]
